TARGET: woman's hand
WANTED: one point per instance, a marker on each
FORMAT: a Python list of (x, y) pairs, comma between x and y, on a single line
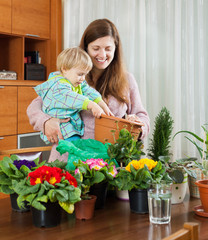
[(52, 129), (133, 118)]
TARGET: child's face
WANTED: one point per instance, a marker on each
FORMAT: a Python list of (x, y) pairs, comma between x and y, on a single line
[(75, 75)]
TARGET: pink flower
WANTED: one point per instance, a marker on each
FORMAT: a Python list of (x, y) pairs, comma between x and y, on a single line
[(95, 166), (113, 172), (76, 171)]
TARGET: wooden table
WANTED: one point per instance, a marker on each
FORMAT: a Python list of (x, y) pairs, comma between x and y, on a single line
[(114, 222)]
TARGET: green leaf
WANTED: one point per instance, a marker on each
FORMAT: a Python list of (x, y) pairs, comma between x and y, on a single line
[(62, 195), (4, 165), (4, 179), (68, 207), (177, 176), (7, 189), (38, 205), (74, 196), (43, 198), (52, 195)]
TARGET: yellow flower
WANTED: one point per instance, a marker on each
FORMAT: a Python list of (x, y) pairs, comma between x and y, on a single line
[(140, 164)]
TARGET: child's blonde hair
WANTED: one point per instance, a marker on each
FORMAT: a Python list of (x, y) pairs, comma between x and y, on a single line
[(72, 58)]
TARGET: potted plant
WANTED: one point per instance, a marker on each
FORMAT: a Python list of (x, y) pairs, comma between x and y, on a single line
[(203, 190), (161, 137), (105, 125), (47, 190), (159, 149), (124, 150), (137, 178), (92, 173), (201, 145), (11, 168), (179, 170)]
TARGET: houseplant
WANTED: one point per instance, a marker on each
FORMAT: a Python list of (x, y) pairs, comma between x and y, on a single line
[(179, 170), (125, 148), (11, 168), (161, 137), (45, 189), (137, 177), (159, 149), (105, 125), (91, 173), (201, 145)]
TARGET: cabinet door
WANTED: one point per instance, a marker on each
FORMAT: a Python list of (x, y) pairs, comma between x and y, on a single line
[(5, 16), (31, 17), (8, 110), (25, 97), (8, 142)]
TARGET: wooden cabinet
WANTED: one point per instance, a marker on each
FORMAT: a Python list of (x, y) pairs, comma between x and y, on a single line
[(5, 16), (25, 25), (31, 18), (8, 142), (8, 110), (25, 97)]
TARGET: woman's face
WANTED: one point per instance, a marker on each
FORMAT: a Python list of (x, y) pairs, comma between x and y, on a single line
[(102, 52)]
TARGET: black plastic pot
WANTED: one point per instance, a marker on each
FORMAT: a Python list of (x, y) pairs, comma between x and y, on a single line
[(51, 217), (100, 191), (138, 201), (15, 207)]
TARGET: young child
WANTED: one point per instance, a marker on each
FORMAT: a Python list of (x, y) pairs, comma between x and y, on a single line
[(66, 93)]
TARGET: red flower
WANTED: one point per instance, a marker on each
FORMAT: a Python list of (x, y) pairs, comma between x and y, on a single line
[(72, 180), (52, 175)]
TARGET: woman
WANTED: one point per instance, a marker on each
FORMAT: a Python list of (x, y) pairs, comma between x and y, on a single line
[(108, 76)]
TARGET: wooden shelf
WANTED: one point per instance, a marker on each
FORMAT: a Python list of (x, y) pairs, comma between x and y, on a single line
[(25, 25)]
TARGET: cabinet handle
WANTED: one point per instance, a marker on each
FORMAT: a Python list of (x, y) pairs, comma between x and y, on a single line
[(1, 86), (1, 138), (32, 35)]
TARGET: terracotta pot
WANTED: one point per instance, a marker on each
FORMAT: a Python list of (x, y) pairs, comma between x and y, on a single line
[(203, 191), (85, 208), (105, 125)]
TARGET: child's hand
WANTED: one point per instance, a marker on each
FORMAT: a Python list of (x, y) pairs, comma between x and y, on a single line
[(96, 109), (105, 108)]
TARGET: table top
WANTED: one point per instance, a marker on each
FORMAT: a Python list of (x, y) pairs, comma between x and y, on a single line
[(115, 221)]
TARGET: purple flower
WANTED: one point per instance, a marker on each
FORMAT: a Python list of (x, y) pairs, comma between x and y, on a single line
[(29, 164)]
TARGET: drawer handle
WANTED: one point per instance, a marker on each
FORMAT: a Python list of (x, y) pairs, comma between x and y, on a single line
[(1, 86), (1, 138), (32, 35)]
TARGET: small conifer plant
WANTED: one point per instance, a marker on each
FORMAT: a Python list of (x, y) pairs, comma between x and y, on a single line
[(160, 142)]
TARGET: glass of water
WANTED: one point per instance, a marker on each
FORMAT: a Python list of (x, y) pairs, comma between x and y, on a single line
[(159, 203)]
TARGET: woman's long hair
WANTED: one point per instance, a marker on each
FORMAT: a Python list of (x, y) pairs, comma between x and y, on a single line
[(113, 81)]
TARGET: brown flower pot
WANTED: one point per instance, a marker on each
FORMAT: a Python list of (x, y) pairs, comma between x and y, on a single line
[(203, 191), (85, 208), (105, 125)]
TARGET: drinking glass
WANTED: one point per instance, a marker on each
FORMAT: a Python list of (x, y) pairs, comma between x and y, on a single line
[(159, 203)]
